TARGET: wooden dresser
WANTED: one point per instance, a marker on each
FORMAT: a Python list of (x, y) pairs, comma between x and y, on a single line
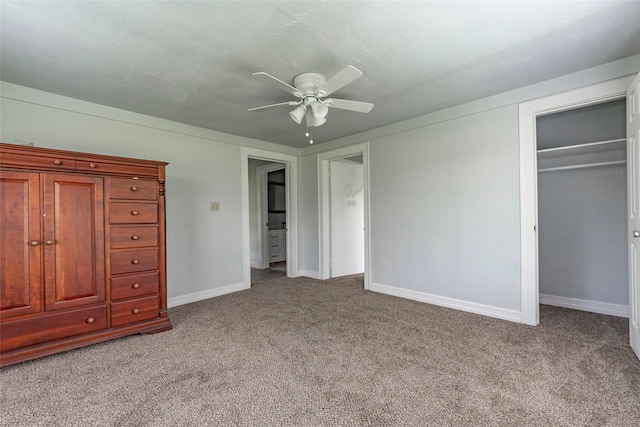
[(82, 250)]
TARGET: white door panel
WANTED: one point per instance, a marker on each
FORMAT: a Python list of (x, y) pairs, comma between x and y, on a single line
[(346, 218), (633, 191)]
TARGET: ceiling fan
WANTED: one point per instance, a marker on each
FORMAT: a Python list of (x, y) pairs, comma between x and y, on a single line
[(312, 90)]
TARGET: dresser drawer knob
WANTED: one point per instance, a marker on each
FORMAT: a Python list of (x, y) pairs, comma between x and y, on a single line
[(134, 188), (135, 311), (135, 237), (90, 320), (50, 242), (135, 285), (92, 165), (57, 162), (34, 243), (135, 261), (134, 213)]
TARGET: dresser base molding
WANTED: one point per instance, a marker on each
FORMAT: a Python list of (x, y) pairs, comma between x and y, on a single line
[(24, 354)]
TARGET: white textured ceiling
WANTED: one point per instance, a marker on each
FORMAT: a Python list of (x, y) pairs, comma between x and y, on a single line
[(191, 62)]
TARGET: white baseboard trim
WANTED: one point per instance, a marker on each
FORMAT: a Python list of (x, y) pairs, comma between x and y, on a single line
[(198, 296), (308, 273), (471, 307), (255, 264), (619, 310)]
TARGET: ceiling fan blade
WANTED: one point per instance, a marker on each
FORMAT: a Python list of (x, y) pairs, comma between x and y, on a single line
[(343, 104), (340, 80), (276, 105), (277, 83)]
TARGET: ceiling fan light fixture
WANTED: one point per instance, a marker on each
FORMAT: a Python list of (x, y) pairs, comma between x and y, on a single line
[(298, 114), (310, 89), (320, 110), (317, 121), (313, 121)]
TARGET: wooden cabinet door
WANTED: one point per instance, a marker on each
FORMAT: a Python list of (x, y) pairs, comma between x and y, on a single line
[(20, 244), (73, 239)]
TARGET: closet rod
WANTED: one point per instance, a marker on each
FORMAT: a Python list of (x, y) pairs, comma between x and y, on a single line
[(587, 165), (589, 144)]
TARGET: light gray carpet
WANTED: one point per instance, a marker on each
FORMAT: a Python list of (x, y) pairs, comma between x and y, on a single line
[(302, 352)]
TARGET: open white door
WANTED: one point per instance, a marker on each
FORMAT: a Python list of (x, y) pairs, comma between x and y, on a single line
[(347, 218), (633, 191)]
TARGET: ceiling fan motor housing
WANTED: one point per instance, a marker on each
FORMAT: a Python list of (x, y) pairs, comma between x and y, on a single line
[(309, 83)]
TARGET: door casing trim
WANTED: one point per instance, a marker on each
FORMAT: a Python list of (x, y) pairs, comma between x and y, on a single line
[(324, 216), (527, 114)]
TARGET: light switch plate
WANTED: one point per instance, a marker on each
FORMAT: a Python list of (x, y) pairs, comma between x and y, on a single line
[(215, 206)]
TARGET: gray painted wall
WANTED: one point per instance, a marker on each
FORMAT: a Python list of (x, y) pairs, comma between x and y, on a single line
[(600, 122), (445, 211), (582, 239)]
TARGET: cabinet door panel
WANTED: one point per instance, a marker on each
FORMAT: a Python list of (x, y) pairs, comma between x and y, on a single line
[(73, 240), (20, 261)]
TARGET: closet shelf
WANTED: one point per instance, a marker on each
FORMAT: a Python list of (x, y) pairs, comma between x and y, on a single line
[(587, 165), (574, 150)]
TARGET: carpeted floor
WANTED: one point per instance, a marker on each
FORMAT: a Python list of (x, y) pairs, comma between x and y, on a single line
[(302, 352)]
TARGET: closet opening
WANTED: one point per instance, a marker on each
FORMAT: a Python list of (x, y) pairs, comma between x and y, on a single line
[(582, 208)]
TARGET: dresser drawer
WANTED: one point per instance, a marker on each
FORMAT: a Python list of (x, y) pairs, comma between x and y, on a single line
[(133, 189), (133, 237), (135, 310), (103, 166), (133, 261), (38, 161), (134, 213), (19, 333), (275, 245), (276, 253), (134, 286), (275, 235)]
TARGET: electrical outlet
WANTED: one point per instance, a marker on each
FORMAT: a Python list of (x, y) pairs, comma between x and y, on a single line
[(215, 206)]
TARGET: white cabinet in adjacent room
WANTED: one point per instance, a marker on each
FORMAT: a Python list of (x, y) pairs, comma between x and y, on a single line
[(277, 245)]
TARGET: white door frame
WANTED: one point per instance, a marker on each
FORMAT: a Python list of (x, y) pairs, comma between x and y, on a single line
[(262, 187), (528, 112), (291, 192), (324, 214)]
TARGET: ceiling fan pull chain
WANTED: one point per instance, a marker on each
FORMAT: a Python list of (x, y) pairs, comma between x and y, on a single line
[(308, 135)]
